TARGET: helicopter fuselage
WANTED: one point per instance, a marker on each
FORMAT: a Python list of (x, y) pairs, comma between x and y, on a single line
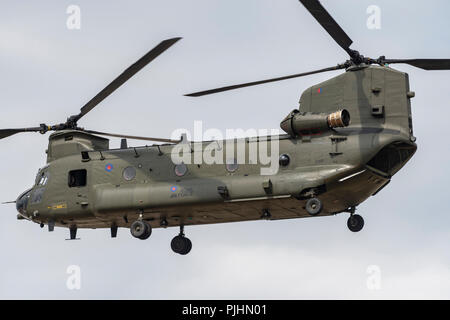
[(87, 185)]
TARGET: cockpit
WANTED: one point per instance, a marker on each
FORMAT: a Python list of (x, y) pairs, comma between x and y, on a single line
[(22, 202), (42, 177), (33, 195)]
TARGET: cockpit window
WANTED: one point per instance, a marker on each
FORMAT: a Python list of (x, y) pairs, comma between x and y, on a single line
[(22, 201), (37, 193), (42, 178), (36, 196)]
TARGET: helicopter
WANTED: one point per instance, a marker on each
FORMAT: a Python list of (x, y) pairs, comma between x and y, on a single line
[(350, 135)]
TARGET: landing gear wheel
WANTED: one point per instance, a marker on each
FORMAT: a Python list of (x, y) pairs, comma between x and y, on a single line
[(148, 231), (314, 206), (188, 246), (140, 229), (355, 223), (181, 245)]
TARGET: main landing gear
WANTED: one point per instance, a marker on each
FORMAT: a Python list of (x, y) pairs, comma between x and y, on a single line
[(355, 222), (141, 229), (180, 244)]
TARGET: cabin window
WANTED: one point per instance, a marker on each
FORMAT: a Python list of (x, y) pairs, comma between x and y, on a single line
[(180, 169), (232, 165), (129, 173), (77, 178)]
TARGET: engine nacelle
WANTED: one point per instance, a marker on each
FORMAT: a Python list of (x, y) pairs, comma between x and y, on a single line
[(307, 123)]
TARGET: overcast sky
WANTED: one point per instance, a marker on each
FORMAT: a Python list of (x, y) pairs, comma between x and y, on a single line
[(48, 72)]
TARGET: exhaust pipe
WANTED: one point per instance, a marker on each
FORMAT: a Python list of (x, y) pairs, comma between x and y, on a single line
[(306, 123)]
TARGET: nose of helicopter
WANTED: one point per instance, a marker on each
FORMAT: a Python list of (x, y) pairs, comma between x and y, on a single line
[(22, 201)]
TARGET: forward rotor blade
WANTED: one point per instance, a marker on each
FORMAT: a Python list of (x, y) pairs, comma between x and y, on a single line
[(127, 74), (4, 133), (426, 64), (248, 84), (116, 135), (329, 24)]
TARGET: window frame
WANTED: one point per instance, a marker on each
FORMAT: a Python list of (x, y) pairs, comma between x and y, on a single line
[(82, 183)]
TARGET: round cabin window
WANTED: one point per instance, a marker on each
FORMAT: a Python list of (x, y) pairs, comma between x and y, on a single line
[(129, 173), (232, 165), (180, 169)]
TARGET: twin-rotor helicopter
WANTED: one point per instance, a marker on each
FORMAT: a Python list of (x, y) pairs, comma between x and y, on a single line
[(343, 144)]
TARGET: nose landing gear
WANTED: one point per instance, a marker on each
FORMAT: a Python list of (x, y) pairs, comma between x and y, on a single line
[(180, 244)]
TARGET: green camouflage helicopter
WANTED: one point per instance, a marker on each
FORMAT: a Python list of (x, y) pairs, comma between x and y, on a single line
[(350, 135)]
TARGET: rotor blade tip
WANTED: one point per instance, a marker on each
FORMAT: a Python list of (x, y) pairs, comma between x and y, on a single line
[(175, 39)]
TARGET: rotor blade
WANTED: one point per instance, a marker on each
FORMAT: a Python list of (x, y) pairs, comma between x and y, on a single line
[(329, 24), (127, 74), (132, 137), (426, 64), (237, 86), (4, 133)]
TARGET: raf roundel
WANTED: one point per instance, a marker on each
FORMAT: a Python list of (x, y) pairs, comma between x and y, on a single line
[(109, 167), (173, 188)]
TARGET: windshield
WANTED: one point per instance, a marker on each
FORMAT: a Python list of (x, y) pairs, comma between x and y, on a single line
[(42, 177), (22, 201)]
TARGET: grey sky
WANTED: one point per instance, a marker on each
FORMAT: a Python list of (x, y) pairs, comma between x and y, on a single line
[(48, 72)]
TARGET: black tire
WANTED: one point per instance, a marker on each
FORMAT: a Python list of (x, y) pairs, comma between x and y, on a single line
[(140, 229), (187, 247), (181, 245), (314, 206), (355, 223), (148, 231), (177, 244)]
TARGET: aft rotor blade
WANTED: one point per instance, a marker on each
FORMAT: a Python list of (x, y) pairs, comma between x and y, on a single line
[(4, 133), (248, 84), (127, 74), (426, 64), (116, 135), (329, 24)]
